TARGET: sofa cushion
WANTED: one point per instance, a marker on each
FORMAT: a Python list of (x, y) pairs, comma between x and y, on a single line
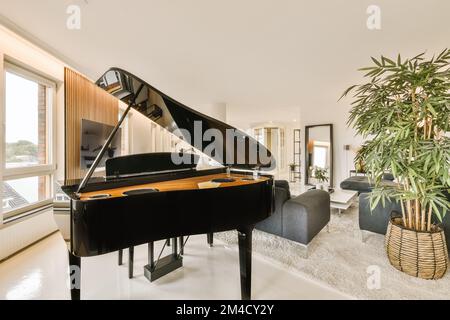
[(357, 183), (362, 184)]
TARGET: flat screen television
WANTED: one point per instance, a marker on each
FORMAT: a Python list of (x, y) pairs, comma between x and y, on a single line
[(93, 136)]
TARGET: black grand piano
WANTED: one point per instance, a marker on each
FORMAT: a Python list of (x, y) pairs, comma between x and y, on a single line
[(149, 197)]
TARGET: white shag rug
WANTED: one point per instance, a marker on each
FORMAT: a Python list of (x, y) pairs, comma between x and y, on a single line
[(341, 260)]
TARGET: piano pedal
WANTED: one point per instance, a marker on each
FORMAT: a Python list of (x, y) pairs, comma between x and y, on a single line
[(162, 267)]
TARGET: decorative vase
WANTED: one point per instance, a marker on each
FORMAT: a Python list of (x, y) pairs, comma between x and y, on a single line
[(421, 254)]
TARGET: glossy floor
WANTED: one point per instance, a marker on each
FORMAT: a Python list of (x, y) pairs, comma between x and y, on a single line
[(40, 272)]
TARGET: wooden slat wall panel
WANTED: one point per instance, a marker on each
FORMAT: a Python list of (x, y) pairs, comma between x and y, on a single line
[(83, 100)]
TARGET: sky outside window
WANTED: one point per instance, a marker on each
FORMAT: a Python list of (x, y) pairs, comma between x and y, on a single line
[(22, 123), (21, 109)]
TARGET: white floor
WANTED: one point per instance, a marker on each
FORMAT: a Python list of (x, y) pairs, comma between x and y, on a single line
[(40, 272)]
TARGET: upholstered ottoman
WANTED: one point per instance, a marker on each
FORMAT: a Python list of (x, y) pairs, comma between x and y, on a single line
[(306, 215)]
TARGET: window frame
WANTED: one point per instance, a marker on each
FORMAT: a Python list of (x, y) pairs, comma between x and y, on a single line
[(37, 170)]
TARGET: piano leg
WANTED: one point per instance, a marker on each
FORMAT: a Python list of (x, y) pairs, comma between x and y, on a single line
[(210, 238), (182, 245), (130, 262), (75, 276), (175, 247), (151, 254), (120, 262), (245, 261), (168, 242)]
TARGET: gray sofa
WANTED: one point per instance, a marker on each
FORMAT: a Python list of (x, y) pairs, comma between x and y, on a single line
[(362, 183), (298, 219), (377, 220)]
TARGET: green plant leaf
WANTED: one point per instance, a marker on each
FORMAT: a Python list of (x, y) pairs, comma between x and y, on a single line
[(378, 63)]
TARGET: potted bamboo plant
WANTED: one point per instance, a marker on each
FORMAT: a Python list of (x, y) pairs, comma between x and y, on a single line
[(404, 112)]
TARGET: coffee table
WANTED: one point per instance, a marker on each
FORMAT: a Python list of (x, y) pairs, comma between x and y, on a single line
[(297, 189), (342, 199)]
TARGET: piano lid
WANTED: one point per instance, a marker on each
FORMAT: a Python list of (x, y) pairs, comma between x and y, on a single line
[(220, 141)]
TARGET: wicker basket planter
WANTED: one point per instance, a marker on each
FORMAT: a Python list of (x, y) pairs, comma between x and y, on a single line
[(420, 254)]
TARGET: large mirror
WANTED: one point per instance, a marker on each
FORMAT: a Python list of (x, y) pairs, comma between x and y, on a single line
[(319, 155)]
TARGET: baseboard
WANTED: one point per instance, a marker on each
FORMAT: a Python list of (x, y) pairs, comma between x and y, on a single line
[(21, 234)]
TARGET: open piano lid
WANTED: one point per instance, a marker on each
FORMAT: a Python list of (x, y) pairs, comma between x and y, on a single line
[(222, 142)]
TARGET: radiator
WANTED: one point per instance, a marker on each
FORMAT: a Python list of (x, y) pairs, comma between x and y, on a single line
[(15, 236)]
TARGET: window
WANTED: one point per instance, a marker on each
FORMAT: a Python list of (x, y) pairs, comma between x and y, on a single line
[(273, 139), (19, 193), (28, 163), (320, 156)]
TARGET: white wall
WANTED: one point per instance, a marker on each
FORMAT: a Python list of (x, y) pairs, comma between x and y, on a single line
[(147, 136), (140, 133), (215, 110)]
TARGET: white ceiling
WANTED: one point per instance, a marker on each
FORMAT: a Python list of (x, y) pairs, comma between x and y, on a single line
[(283, 54)]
